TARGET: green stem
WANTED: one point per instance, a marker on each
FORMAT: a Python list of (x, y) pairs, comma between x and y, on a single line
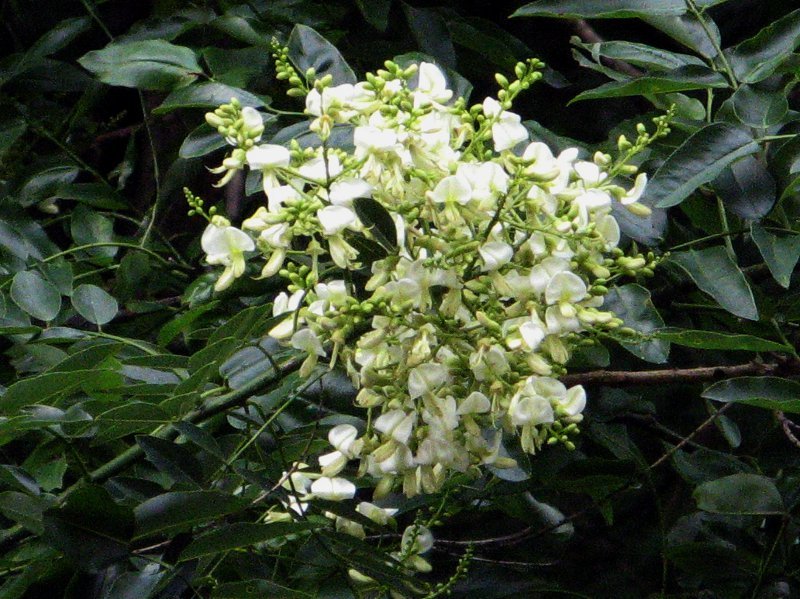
[(723, 217), (711, 38), (100, 244)]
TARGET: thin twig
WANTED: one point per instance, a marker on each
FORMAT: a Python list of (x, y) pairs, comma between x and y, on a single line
[(676, 375), (788, 428)]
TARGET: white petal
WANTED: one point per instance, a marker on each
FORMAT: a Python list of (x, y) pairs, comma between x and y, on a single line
[(424, 378), (495, 254), (268, 156), (334, 219), (333, 489), (565, 286), (452, 189)]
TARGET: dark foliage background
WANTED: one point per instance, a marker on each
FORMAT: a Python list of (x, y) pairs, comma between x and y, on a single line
[(135, 401)]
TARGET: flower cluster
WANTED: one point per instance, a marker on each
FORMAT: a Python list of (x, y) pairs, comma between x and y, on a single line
[(447, 262)]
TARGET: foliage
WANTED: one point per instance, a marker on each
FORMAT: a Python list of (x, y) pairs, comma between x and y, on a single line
[(147, 419)]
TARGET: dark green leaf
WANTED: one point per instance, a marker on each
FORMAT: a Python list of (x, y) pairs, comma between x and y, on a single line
[(24, 509), (182, 322), (757, 58), (96, 195), (88, 227), (201, 141), (378, 221), (769, 392), (256, 589), (696, 161), (94, 304), (759, 107), (747, 494), (90, 528), (241, 534), (429, 30), (308, 49), (746, 188), (146, 64), (640, 55), (174, 460), (688, 31), (375, 12), (681, 79), (208, 94), (10, 132), (715, 273), (45, 182), (36, 295), (174, 512), (719, 340), (633, 305), (131, 417), (601, 9), (780, 253)]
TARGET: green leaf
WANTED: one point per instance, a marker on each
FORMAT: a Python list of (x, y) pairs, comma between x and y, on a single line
[(174, 512), (681, 79), (94, 304), (719, 340), (757, 58), (696, 161), (759, 107), (24, 509), (35, 295), (640, 55), (633, 305), (208, 94), (241, 534), (429, 30), (375, 12), (741, 494), (96, 195), (146, 64), (131, 417), (256, 589), (780, 253), (769, 392), (90, 528), (378, 221), (44, 183), (746, 188), (308, 49), (174, 460), (182, 322), (88, 226), (714, 272), (688, 31), (10, 132), (200, 142), (601, 9)]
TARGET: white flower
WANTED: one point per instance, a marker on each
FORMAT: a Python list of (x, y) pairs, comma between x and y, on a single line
[(528, 407), (475, 403), (344, 437), (507, 130), (574, 401), (335, 219), (426, 378), (344, 191), (379, 515), (565, 287), (268, 158), (416, 539), (454, 189), (432, 86), (306, 340), (396, 424), (333, 489), (495, 254), (636, 191), (226, 245)]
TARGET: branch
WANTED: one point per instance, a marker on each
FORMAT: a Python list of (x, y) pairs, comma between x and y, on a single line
[(677, 375), (589, 36)]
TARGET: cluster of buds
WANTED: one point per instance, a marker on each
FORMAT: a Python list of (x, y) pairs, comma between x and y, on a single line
[(447, 262)]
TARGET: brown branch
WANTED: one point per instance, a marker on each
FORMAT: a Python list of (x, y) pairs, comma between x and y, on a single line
[(677, 375), (788, 428)]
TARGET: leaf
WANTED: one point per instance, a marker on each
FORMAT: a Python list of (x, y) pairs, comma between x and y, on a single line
[(757, 58), (746, 188), (741, 494), (90, 528), (680, 79), (375, 12), (241, 534), (208, 94), (633, 305), (147, 64), (640, 55), (174, 512), (378, 221), (200, 142), (44, 183), (24, 509), (696, 161), (719, 340), (97, 195), (35, 295), (94, 304), (181, 323), (758, 107), (769, 392), (88, 227), (714, 272), (601, 9), (10, 132), (174, 460), (256, 589), (131, 417), (780, 253), (429, 30), (308, 49), (688, 31)]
